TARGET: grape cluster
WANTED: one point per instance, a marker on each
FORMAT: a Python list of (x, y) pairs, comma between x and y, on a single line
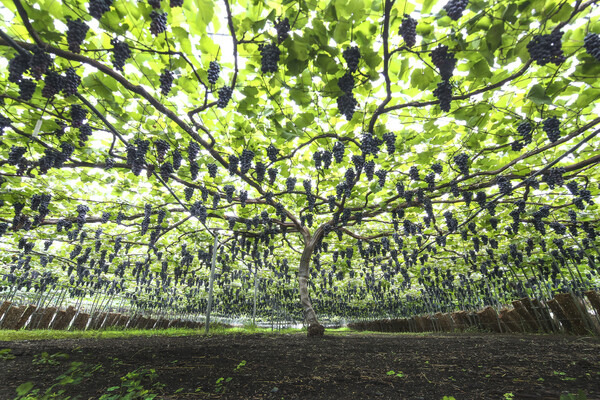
[(272, 175), (546, 49), (193, 150), (176, 159), (481, 199), (154, 3), (15, 154), (369, 169), (166, 81), (591, 43), (39, 63), (346, 83), (78, 115), (166, 169), (554, 177), (390, 142), (212, 170), (26, 89), (76, 31), (243, 198), (85, 131), (350, 175), (462, 162), (272, 153), (352, 56), (246, 160), (552, 128), (105, 217), (269, 58), (52, 84), (381, 174), (504, 185), (451, 222), (162, 147), (82, 211), (159, 22), (455, 8), (233, 164), (98, 7), (437, 168), (260, 168), (4, 123), (213, 72), (524, 129), (224, 96), (17, 66), (346, 105), (408, 30), (229, 191), (413, 172), (283, 28), (290, 184), (176, 3), (444, 94), (430, 179), (121, 53), (444, 60), (70, 82)]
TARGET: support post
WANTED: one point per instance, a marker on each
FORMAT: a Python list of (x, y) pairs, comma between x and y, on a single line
[(211, 282)]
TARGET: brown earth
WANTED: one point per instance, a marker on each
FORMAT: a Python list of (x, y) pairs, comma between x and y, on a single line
[(340, 366)]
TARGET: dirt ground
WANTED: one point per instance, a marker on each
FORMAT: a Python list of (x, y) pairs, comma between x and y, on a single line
[(341, 366)]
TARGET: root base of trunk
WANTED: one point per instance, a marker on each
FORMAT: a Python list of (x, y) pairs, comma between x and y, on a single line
[(315, 330)]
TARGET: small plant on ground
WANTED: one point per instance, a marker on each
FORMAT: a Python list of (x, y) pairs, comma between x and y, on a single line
[(220, 384), (397, 374), (49, 359), (6, 354), (133, 386)]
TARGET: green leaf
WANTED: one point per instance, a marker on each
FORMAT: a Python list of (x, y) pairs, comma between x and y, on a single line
[(537, 94)]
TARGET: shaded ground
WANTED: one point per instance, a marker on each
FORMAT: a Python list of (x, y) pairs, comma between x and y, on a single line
[(341, 366)]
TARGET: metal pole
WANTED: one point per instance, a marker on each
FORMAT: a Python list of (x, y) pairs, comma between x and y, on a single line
[(255, 292), (210, 283)]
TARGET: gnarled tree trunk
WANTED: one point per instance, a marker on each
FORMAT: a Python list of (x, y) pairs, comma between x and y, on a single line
[(314, 327)]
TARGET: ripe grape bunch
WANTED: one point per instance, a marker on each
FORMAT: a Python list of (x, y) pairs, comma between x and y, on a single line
[(224, 96), (347, 104), (121, 53), (546, 49), (444, 94), (272, 153), (78, 115), (70, 82), (269, 58), (213, 72), (444, 60), (52, 84), (283, 28), (346, 83), (246, 160), (76, 31), (26, 89), (408, 30), (97, 8), (455, 8), (552, 128), (390, 142), (166, 81), (159, 22), (162, 147), (338, 152), (462, 162), (352, 56), (591, 43)]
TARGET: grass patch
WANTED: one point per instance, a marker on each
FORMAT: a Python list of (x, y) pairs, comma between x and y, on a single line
[(9, 336)]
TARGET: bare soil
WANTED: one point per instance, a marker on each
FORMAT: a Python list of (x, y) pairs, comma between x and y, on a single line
[(351, 366)]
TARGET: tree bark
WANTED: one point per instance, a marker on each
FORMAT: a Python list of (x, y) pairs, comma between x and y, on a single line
[(314, 327)]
